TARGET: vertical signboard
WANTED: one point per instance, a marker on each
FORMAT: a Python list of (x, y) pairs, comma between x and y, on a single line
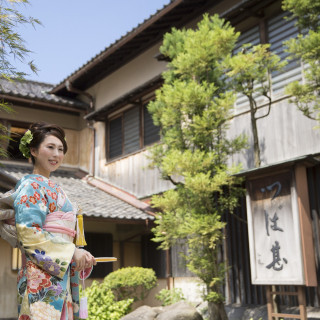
[(274, 230)]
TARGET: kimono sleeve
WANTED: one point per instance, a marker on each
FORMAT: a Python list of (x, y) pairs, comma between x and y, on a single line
[(51, 253)]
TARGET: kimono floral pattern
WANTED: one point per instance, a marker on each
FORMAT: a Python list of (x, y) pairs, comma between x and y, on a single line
[(44, 280)]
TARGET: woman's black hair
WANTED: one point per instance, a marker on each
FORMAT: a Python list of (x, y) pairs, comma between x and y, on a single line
[(40, 130)]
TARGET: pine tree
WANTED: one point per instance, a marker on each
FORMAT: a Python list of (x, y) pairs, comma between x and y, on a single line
[(192, 109)]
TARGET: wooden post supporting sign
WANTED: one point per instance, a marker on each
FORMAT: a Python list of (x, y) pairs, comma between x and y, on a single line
[(301, 301)]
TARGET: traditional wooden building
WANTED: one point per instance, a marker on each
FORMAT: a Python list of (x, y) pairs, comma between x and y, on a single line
[(112, 129), (115, 221)]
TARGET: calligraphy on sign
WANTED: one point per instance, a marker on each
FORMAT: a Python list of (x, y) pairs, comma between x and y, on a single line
[(274, 231)]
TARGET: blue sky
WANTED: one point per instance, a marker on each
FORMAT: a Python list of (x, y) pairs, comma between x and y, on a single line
[(74, 31)]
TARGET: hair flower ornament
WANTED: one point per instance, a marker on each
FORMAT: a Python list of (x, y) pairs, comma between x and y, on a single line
[(24, 144)]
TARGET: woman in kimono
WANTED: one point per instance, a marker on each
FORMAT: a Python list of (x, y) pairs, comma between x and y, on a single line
[(48, 283)]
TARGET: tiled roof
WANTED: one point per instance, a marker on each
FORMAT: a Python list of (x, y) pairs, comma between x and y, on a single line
[(39, 91), (93, 201)]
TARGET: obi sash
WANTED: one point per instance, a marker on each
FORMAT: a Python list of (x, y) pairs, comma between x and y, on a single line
[(62, 224)]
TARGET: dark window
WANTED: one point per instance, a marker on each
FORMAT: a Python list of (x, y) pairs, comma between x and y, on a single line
[(153, 257), (100, 245), (115, 137), (131, 131)]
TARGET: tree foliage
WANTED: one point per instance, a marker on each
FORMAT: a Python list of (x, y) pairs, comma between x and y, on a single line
[(306, 46), (102, 304), (12, 49), (170, 296), (250, 72), (12, 45), (192, 109), (112, 298), (131, 282)]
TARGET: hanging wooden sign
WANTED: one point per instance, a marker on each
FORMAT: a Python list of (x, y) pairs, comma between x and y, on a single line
[(275, 239)]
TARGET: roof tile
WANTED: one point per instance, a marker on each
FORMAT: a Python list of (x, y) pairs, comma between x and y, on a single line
[(38, 91), (93, 201)]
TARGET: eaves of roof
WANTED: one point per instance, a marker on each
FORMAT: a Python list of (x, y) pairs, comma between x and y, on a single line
[(175, 14), (306, 160), (37, 94), (130, 97), (37, 104)]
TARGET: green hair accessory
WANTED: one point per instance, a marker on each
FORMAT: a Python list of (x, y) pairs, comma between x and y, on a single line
[(24, 144)]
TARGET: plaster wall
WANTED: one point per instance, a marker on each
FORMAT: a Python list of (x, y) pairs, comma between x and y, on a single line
[(85, 149), (191, 287), (100, 148), (132, 254), (8, 281), (72, 156), (99, 225), (129, 77)]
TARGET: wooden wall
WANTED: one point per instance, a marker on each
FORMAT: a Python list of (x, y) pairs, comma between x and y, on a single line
[(132, 174), (283, 135)]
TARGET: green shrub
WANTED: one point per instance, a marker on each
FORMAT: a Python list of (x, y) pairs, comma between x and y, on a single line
[(102, 304), (131, 282), (167, 297)]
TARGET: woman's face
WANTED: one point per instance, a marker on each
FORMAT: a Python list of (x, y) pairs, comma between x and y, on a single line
[(49, 156)]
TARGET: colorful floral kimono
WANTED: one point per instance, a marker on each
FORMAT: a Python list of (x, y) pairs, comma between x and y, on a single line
[(48, 285)]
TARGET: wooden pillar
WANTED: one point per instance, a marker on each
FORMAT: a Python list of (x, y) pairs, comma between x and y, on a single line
[(269, 302), (122, 254), (302, 302), (309, 262), (168, 268)]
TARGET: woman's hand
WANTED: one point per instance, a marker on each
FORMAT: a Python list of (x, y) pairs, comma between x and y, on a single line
[(83, 259)]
